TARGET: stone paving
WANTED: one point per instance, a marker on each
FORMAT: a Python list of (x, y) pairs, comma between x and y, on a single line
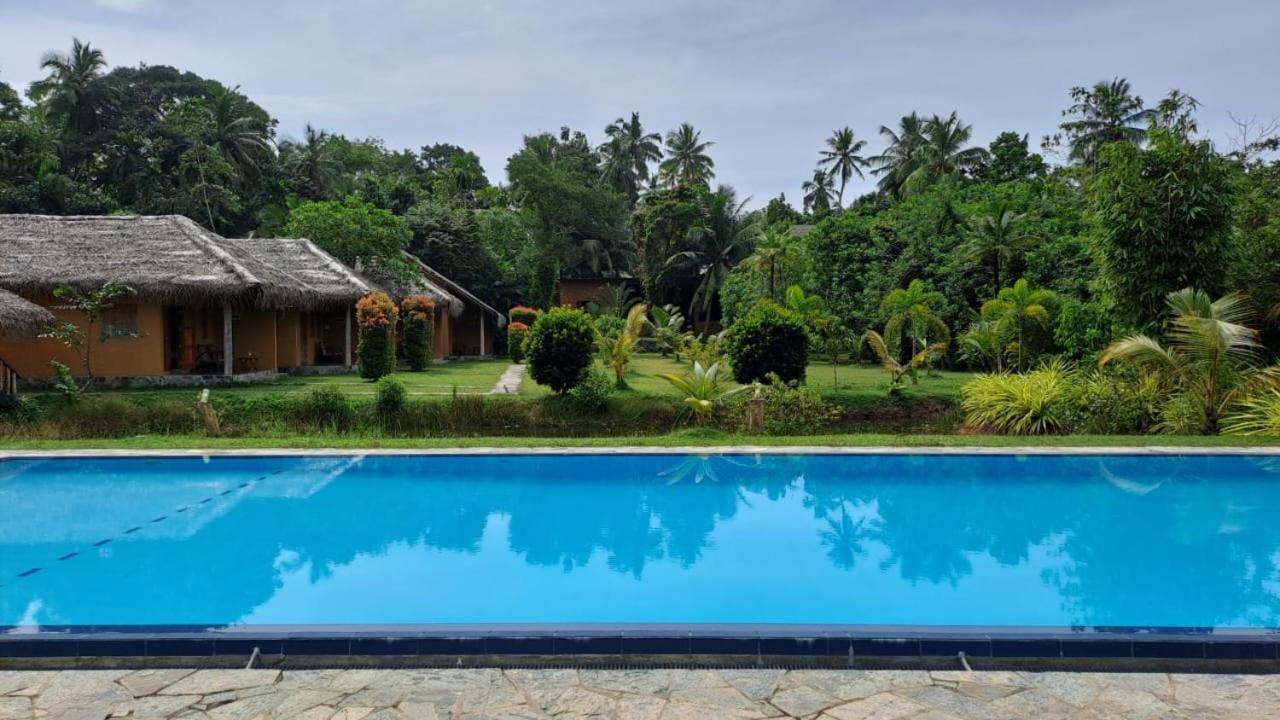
[(455, 694), (509, 382)]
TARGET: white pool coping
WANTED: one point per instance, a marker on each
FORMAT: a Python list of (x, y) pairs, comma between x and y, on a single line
[(648, 450)]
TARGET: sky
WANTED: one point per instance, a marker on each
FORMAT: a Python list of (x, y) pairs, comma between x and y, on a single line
[(766, 81)]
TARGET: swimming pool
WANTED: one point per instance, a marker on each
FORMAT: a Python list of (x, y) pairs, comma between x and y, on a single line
[(914, 541)]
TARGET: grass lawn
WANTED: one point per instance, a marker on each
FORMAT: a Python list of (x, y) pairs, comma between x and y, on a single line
[(849, 381), (469, 377), (691, 437)]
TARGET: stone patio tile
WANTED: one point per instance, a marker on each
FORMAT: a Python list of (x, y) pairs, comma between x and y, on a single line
[(15, 708), (83, 688), (149, 682), (951, 702), (297, 701), (1129, 704), (542, 687), (577, 702), (640, 708), (1157, 684), (382, 695), (1034, 703), (640, 682), (883, 706), (350, 681), (16, 681), (156, 706), (755, 684), (802, 701), (679, 710), (410, 710), (211, 682), (715, 697), (1078, 689)]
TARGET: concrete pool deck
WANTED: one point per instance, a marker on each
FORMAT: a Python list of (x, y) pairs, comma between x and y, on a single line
[(472, 694)]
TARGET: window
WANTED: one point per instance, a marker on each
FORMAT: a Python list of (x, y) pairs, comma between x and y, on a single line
[(120, 321)]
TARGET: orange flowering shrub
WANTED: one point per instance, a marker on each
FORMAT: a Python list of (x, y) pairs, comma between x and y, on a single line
[(418, 313), (376, 317), (524, 315), (516, 333)]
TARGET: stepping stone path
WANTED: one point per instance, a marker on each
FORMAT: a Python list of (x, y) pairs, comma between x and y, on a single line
[(473, 694), (509, 383)]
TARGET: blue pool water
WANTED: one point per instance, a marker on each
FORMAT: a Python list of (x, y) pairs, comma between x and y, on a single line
[(862, 539)]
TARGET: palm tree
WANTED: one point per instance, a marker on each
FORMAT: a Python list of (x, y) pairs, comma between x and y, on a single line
[(913, 310), (1106, 112), (724, 238), (841, 158), (311, 163), (1209, 352), (775, 250), (897, 162), (1017, 307), (68, 92), (628, 153), (241, 138), (944, 148), (818, 192), (995, 237), (687, 161)]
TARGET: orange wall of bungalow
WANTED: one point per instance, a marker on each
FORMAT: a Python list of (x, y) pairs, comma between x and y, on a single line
[(115, 357)]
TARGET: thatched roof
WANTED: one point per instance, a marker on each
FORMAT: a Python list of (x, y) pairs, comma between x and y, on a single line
[(294, 272), (20, 317), (168, 258), (415, 283), (431, 276)]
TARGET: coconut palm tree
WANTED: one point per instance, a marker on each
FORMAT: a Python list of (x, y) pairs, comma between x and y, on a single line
[(628, 153), (995, 237), (241, 138), (687, 160), (1107, 112), (913, 310), (1016, 308), (311, 163), (898, 161), (818, 192), (775, 249), (944, 148), (1209, 353), (725, 237), (68, 93), (841, 158)]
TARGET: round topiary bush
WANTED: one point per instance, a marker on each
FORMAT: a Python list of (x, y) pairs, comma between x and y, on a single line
[(376, 317), (768, 339), (560, 347), (418, 313), (516, 333)]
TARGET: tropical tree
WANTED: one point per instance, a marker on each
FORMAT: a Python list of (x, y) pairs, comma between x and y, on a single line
[(897, 369), (723, 239), (1104, 113), (984, 343), (242, 137), (842, 158), (995, 237), (944, 149), (627, 155), (668, 329), (617, 351), (913, 310), (687, 160), (898, 161), (1209, 353), (701, 389), (818, 192), (310, 164), (1019, 308), (775, 250), (69, 94)]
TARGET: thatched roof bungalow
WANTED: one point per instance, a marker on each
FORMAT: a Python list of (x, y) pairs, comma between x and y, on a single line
[(202, 304), (20, 317), (473, 324)]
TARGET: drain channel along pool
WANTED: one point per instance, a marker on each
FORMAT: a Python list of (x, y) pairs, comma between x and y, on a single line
[(1144, 540)]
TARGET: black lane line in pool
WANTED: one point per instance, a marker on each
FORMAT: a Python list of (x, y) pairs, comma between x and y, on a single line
[(135, 529)]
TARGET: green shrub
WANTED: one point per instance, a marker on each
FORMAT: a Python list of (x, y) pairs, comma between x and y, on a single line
[(18, 410), (560, 346), (1182, 414), (376, 318), (522, 314), (327, 408), (1110, 404), (1083, 330), (516, 333), (593, 389), (789, 409), (1258, 414), (769, 339), (392, 397), (1025, 404), (610, 326), (418, 313)]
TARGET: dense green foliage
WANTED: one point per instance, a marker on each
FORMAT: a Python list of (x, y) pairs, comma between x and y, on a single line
[(376, 318), (768, 340), (418, 315), (560, 348)]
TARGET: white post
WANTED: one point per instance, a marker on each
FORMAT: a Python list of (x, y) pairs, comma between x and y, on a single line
[(346, 338), (482, 353), (228, 343)]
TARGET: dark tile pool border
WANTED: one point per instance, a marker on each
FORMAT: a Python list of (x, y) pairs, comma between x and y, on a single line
[(798, 641)]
